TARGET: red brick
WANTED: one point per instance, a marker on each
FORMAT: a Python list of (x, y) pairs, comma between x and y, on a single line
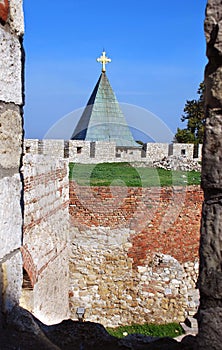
[(143, 210), (4, 10)]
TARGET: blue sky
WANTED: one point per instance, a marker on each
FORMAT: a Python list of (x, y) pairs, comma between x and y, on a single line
[(157, 50)]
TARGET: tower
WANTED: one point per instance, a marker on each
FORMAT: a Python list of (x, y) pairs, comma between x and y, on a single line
[(102, 118)]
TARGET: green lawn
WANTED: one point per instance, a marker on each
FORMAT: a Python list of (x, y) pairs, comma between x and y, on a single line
[(165, 330), (124, 174)]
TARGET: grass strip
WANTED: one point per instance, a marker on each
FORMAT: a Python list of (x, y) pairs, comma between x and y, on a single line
[(171, 330), (124, 174)]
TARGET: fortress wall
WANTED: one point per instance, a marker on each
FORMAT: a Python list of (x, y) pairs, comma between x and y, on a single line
[(182, 149), (137, 253), (200, 149), (45, 243), (46, 147), (99, 152), (157, 151), (53, 148), (31, 146), (79, 151), (105, 151), (11, 131), (91, 152), (128, 155)]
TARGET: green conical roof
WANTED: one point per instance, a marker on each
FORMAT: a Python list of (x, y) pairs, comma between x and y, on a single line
[(102, 119)]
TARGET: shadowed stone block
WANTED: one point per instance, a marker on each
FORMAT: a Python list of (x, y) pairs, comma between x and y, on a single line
[(11, 142), (12, 280), (210, 335), (210, 249), (210, 280), (212, 152), (10, 215)]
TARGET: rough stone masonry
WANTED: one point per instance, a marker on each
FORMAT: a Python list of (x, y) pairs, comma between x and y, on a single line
[(210, 312), (45, 237), (131, 265), (210, 278), (11, 131)]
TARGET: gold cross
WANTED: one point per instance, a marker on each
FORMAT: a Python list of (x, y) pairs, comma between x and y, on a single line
[(103, 60)]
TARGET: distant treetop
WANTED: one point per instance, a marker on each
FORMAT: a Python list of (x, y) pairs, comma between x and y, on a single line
[(195, 117)]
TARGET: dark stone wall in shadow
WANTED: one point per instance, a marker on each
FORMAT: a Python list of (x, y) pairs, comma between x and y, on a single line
[(210, 277), (1, 289)]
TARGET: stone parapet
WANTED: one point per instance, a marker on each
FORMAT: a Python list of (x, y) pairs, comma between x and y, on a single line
[(157, 151), (100, 152)]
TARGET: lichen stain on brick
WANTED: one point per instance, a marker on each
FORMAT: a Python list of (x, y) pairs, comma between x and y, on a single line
[(4, 10)]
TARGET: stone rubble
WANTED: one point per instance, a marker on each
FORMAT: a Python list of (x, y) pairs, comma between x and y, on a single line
[(178, 163)]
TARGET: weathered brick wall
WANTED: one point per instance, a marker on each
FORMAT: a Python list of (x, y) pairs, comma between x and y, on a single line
[(173, 228), (45, 243), (11, 102), (137, 252)]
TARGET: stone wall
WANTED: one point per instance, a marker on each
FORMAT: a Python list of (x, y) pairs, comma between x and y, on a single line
[(11, 131), (134, 253), (98, 152), (157, 151), (45, 237), (210, 280), (183, 149), (124, 154)]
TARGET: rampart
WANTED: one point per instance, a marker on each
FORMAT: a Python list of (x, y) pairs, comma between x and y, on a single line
[(154, 267), (134, 253), (122, 266), (99, 152), (45, 244)]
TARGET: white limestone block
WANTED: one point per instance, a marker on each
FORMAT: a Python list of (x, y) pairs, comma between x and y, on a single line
[(10, 215), (10, 68), (16, 17), (11, 142), (12, 280)]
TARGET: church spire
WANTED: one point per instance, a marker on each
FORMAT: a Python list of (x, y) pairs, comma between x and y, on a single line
[(103, 60), (102, 118)]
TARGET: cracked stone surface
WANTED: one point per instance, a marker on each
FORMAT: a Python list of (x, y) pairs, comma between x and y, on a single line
[(210, 279)]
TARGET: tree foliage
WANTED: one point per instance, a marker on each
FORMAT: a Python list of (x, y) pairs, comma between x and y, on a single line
[(195, 118)]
